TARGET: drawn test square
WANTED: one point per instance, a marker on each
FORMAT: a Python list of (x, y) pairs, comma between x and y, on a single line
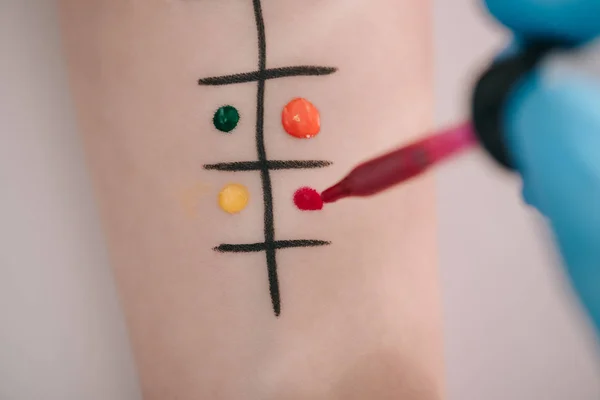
[(270, 245)]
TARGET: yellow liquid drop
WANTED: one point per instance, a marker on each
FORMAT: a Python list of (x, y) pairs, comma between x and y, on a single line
[(233, 198)]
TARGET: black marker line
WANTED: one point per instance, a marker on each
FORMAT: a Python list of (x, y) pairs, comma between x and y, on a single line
[(262, 158), (278, 244), (270, 165), (266, 74), (270, 245)]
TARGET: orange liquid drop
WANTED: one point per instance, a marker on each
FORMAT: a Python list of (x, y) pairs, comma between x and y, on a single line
[(301, 119)]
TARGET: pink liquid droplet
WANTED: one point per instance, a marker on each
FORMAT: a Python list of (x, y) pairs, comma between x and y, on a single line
[(308, 199)]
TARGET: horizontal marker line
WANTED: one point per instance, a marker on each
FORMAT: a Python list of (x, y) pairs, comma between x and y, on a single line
[(271, 73), (278, 244), (269, 165)]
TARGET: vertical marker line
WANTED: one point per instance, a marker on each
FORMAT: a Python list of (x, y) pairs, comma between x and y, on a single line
[(262, 158)]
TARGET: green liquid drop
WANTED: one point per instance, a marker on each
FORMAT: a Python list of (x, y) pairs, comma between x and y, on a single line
[(226, 118)]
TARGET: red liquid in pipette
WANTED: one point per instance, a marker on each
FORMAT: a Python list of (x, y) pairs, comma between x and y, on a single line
[(401, 165)]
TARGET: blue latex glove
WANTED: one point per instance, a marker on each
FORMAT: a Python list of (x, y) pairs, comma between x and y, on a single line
[(553, 129)]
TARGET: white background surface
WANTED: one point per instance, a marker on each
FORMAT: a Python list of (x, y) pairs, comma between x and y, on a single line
[(511, 331)]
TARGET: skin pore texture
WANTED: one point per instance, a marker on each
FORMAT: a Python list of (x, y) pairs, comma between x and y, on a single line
[(356, 314)]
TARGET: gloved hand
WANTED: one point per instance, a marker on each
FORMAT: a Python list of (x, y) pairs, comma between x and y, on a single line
[(552, 123)]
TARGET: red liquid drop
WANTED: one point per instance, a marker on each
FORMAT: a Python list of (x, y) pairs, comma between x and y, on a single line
[(308, 199)]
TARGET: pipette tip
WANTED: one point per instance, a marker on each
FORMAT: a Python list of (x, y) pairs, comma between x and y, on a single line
[(335, 193)]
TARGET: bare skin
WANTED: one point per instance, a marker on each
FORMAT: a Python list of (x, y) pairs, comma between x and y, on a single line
[(359, 318)]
